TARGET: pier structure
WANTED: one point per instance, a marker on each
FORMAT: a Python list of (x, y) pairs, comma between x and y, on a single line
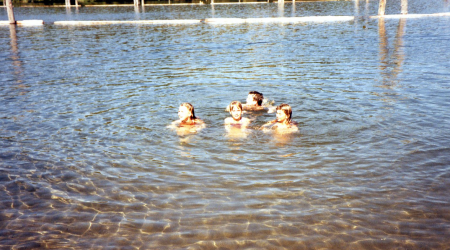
[(382, 7), (68, 4), (10, 10), (381, 14)]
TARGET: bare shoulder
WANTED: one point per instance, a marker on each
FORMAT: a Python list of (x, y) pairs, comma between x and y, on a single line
[(245, 121), (291, 128), (280, 128), (199, 124), (253, 108), (228, 120), (199, 121)]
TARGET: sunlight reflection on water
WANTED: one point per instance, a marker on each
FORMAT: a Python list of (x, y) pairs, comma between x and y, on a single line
[(86, 159)]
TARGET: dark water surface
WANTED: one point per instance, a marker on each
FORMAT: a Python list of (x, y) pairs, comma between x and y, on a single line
[(86, 160)]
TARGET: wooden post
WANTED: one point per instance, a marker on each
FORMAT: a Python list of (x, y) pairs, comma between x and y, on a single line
[(67, 3), (382, 8), (404, 7), (10, 10), (13, 36), (76, 3)]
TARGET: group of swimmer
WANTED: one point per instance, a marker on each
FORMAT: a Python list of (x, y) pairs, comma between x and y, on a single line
[(283, 123)]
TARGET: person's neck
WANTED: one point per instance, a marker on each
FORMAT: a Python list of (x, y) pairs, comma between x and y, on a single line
[(188, 121)]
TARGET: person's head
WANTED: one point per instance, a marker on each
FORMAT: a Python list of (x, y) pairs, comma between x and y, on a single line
[(284, 113), (186, 112), (255, 98), (236, 110)]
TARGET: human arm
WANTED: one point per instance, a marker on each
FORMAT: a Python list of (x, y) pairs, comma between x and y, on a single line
[(271, 109), (174, 124), (269, 123)]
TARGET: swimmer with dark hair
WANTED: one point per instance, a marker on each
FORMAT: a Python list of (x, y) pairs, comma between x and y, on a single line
[(236, 116), (254, 102), (284, 122), (188, 122)]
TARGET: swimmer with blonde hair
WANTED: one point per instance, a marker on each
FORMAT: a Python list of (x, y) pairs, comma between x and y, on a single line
[(188, 122), (187, 116), (284, 122), (236, 116)]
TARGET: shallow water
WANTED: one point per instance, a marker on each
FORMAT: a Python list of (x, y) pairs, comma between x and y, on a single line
[(86, 160)]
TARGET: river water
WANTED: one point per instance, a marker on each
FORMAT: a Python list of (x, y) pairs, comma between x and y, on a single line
[(87, 160)]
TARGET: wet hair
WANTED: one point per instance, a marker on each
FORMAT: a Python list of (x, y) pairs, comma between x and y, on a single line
[(190, 108), (258, 97), (287, 111), (237, 104)]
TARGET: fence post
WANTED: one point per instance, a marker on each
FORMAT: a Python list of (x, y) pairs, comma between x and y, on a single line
[(404, 7), (382, 7), (10, 11)]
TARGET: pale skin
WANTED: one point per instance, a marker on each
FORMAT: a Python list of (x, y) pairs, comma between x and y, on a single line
[(251, 104), (281, 124), (186, 125), (236, 118), (236, 125), (185, 117)]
